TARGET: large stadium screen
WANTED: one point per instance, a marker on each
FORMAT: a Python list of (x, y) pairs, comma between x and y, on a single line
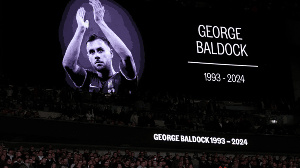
[(199, 48)]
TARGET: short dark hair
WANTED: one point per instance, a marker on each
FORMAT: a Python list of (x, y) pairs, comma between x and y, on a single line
[(94, 37)]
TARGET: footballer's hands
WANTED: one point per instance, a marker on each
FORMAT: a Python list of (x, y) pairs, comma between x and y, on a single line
[(98, 10), (80, 18)]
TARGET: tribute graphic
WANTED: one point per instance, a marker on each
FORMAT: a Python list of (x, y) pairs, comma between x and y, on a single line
[(101, 76)]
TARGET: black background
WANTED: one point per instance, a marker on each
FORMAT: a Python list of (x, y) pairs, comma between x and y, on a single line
[(31, 53)]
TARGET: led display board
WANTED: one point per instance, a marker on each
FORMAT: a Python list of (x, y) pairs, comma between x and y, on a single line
[(153, 139), (177, 47), (200, 50)]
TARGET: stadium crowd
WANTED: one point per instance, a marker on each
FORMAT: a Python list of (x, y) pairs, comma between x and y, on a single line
[(49, 157), (177, 112)]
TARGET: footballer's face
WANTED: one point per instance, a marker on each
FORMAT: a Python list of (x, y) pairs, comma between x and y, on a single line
[(100, 54)]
